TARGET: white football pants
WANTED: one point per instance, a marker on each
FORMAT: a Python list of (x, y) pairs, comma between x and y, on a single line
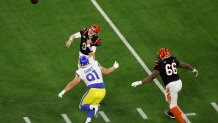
[(172, 90)]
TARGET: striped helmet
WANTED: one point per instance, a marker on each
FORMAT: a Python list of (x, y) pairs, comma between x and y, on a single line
[(163, 53), (96, 28)]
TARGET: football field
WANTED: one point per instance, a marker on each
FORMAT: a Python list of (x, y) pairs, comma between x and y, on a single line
[(35, 65)]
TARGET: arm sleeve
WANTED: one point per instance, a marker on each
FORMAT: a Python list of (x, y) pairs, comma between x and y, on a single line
[(177, 62), (96, 41), (77, 35), (78, 73), (156, 65)]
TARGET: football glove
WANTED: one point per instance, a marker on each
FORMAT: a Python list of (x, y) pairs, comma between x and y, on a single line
[(116, 65), (195, 72), (61, 93), (134, 84)]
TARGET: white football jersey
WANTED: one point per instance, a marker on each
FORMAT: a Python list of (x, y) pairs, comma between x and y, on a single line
[(90, 74)]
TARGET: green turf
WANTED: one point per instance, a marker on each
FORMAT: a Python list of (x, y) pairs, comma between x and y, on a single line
[(35, 65)]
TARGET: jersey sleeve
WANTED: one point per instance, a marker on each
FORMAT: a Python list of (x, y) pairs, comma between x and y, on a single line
[(96, 41), (156, 65), (177, 61), (77, 35), (78, 73), (96, 63)]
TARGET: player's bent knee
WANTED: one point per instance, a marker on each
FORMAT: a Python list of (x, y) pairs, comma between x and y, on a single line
[(84, 107)]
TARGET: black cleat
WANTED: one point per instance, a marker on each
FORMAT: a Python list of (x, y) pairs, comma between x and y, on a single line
[(169, 114)]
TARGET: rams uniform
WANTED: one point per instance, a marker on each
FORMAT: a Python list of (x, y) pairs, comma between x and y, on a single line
[(92, 77)]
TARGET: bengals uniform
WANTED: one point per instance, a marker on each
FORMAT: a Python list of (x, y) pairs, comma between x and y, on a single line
[(89, 41), (85, 48), (166, 67), (170, 78)]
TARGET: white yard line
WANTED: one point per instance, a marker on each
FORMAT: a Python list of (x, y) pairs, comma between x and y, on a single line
[(26, 119), (127, 44), (214, 106), (141, 112), (104, 116), (190, 114), (130, 48), (67, 120)]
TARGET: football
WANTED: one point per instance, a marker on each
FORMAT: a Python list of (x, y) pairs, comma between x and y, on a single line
[(34, 1)]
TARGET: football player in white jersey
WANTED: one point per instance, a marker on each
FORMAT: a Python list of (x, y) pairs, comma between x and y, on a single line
[(91, 74)]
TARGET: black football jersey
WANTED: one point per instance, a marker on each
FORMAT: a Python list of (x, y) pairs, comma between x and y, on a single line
[(95, 41), (167, 69)]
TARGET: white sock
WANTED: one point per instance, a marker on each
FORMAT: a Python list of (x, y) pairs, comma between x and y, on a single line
[(88, 120)]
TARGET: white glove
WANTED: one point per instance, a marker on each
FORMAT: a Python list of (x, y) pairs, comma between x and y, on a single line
[(61, 93), (195, 72), (134, 84), (116, 65)]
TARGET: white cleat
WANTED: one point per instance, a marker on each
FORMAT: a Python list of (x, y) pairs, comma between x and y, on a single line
[(96, 109)]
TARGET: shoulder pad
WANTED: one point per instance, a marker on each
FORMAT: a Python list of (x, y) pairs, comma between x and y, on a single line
[(155, 64), (97, 42), (84, 31)]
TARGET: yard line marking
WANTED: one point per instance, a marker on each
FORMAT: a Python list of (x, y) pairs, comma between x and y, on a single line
[(26, 119), (190, 114), (214, 106), (131, 49), (106, 119), (67, 120), (127, 44), (144, 116)]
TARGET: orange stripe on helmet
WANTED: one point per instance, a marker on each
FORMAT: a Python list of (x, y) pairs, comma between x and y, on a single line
[(163, 53), (96, 28)]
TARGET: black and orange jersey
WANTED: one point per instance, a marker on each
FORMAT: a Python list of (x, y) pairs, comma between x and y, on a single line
[(95, 41), (167, 69)]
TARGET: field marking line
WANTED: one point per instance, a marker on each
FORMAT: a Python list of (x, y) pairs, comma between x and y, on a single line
[(126, 43), (26, 119), (141, 112), (131, 49), (190, 114), (67, 120), (214, 106), (104, 116)]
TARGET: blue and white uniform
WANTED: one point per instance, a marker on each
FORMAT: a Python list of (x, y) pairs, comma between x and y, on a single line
[(92, 76)]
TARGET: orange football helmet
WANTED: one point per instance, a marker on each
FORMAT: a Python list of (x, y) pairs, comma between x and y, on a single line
[(96, 28), (163, 53)]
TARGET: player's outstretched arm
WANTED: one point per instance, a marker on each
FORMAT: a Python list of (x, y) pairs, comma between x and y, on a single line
[(72, 37), (188, 67), (68, 43), (147, 79), (70, 85), (109, 70)]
